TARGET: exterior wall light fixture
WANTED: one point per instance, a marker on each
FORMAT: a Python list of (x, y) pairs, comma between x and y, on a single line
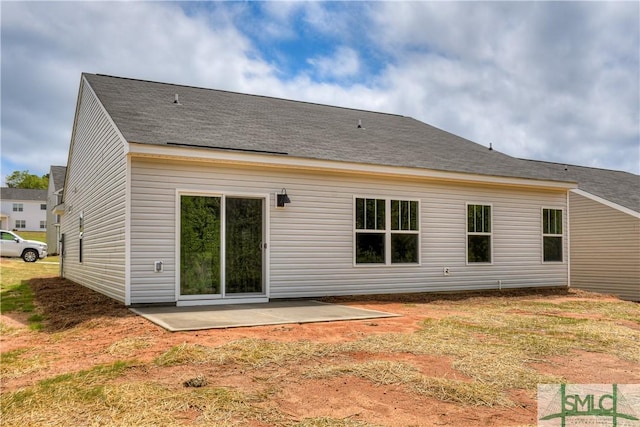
[(282, 198)]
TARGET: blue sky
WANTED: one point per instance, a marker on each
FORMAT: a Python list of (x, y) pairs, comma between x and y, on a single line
[(556, 81)]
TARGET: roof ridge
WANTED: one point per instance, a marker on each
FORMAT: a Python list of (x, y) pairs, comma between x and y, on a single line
[(577, 166), (248, 94)]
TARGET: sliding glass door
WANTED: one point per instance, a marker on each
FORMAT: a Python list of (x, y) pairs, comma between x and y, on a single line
[(221, 246), (243, 237)]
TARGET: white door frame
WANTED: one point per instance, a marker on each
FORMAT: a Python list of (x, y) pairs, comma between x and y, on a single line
[(218, 299)]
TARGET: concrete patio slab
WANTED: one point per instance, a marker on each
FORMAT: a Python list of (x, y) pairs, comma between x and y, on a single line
[(236, 315)]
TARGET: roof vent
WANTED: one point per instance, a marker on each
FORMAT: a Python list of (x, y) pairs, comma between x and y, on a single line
[(360, 124), (490, 147), (176, 100)]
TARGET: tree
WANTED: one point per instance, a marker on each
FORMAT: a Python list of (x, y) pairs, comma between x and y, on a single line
[(24, 179)]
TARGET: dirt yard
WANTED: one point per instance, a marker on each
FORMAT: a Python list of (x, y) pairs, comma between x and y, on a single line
[(334, 384)]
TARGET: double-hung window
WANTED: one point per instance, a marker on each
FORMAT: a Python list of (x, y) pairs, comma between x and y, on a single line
[(18, 207), (21, 223), (479, 234), (386, 231), (552, 235)]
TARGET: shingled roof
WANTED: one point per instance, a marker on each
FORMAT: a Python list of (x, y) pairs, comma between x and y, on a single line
[(622, 188), (8, 193), (57, 174), (146, 112)]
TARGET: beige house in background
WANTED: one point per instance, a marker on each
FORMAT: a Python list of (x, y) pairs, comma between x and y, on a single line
[(54, 199)]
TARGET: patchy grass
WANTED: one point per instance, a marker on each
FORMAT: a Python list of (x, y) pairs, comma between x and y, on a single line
[(489, 345), (129, 346), (250, 352), (16, 363), (17, 298), (447, 390), (16, 294), (492, 339), (99, 396), (15, 271), (331, 422)]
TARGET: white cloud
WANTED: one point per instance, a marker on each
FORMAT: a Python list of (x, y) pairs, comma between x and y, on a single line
[(552, 81), (46, 46), (343, 63)]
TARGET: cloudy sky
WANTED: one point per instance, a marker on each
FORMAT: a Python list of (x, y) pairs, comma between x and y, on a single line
[(556, 81)]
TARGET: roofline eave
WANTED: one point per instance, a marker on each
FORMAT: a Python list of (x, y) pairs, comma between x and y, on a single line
[(292, 162)]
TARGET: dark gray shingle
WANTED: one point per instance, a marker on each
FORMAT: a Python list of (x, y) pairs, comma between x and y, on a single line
[(145, 112), (7, 193), (57, 174), (622, 188)]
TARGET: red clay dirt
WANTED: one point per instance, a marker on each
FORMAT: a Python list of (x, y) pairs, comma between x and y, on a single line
[(81, 325)]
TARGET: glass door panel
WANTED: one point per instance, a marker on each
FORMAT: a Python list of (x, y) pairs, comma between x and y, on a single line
[(243, 250), (200, 240)]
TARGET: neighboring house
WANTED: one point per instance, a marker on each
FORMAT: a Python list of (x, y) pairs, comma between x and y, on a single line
[(23, 209), (172, 196), (54, 200), (604, 218)]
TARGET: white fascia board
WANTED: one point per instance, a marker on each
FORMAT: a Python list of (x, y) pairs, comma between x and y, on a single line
[(290, 162), (607, 203)]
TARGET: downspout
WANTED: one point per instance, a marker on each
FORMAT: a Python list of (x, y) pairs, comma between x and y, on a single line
[(568, 241)]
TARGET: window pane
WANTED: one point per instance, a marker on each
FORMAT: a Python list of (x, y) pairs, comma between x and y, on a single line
[(552, 248), (552, 221), (395, 215), (545, 221), (380, 225), (486, 216), (370, 215), (404, 215), (370, 248), (479, 248), (359, 214), (413, 221), (404, 248), (478, 218), (243, 256), (199, 245), (471, 228)]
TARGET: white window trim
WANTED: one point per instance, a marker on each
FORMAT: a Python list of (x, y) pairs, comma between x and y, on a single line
[(467, 234), (387, 232), (543, 235)]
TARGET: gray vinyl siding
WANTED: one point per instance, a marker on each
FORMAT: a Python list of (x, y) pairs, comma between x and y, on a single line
[(96, 184), (605, 248), (311, 240)]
